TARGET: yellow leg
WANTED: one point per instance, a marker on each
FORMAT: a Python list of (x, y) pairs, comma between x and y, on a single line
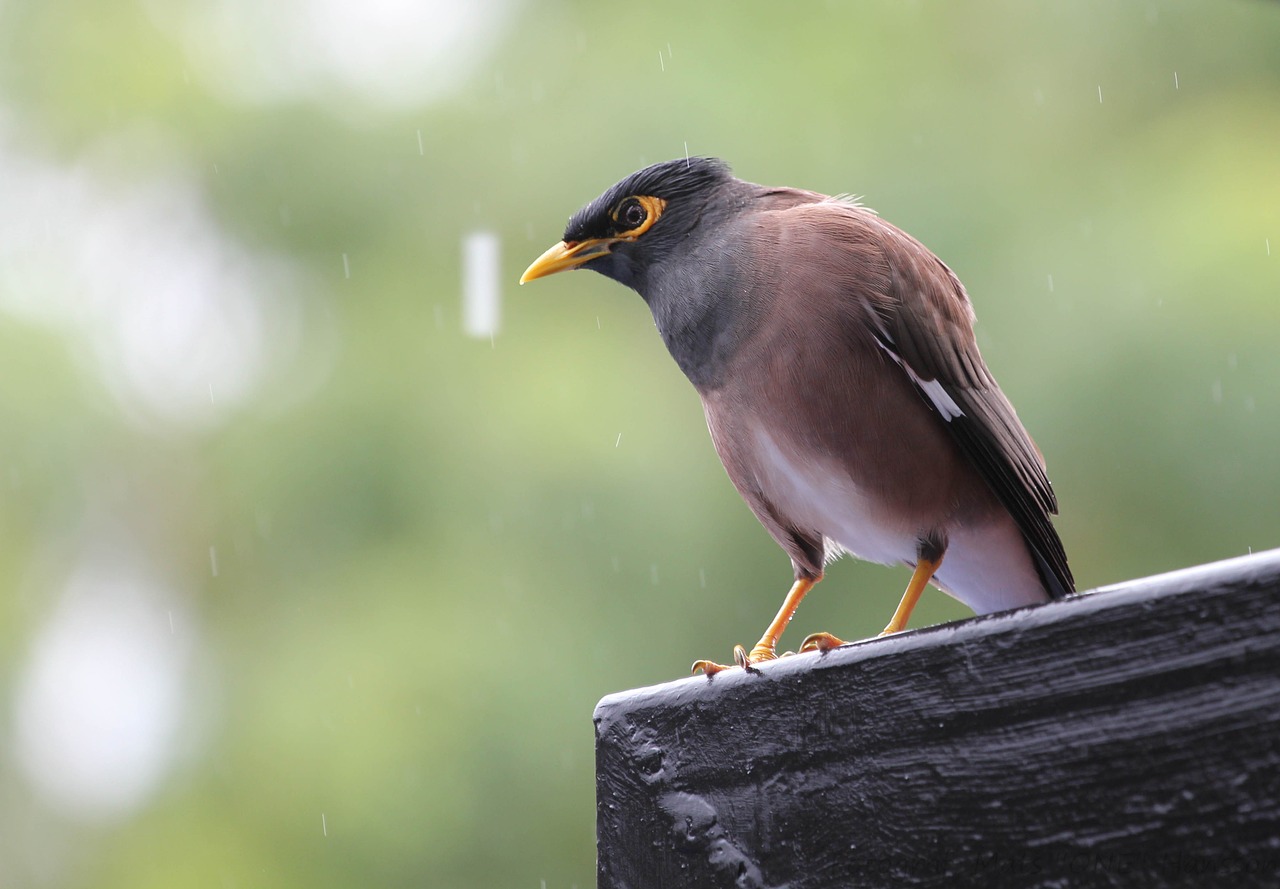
[(767, 648), (925, 569)]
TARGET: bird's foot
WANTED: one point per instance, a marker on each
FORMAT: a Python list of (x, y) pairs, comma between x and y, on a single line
[(820, 642), (741, 658)]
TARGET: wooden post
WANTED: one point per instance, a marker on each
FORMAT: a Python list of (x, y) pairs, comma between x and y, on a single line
[(1125, 737)]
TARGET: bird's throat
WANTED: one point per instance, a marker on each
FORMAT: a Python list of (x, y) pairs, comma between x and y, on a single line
[(699, 333)]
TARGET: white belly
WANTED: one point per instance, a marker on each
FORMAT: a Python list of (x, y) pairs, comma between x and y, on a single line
[(987, 566), (823, 499)]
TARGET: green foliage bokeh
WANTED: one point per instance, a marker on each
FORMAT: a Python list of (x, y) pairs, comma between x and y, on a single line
[(435, 553)]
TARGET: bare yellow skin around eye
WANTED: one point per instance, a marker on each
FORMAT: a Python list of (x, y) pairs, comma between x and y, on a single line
[(568, 255), (653, 208)]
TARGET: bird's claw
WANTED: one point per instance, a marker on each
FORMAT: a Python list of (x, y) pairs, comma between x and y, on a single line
[(710, 668), (820, 642), (741, 658)]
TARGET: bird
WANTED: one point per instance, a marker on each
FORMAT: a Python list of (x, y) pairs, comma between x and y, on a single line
[(835, 358)]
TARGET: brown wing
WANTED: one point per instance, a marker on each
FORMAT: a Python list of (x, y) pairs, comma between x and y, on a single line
[(922, 320), (926, 326)]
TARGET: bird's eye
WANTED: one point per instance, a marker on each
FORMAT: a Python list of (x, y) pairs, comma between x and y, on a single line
[(631, 214)]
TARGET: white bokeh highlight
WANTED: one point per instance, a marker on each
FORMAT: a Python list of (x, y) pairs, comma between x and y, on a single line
[(389, 53), (174, 316), (98, 703), (480, 289)]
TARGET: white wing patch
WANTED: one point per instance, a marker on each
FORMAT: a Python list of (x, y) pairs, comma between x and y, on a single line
[(942, 402)]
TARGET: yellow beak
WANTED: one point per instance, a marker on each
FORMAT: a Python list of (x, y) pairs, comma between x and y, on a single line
[(565, 256)]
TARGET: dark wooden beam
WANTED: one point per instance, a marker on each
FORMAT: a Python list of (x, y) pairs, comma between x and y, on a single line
[(1125, 737)]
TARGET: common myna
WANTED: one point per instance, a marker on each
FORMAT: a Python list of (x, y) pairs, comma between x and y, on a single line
[(842, 385)]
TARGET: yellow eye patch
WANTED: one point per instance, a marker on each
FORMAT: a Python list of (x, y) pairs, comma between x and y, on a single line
[(627, 215)]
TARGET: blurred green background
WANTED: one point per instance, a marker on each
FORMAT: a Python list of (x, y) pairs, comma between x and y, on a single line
[(306, 586)]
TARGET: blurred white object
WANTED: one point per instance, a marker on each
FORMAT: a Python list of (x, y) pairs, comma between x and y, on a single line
[(176, 319), (480, 284), (99, 701), (391, 53)]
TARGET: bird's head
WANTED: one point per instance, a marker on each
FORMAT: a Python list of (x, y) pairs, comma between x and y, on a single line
[(638, 222)]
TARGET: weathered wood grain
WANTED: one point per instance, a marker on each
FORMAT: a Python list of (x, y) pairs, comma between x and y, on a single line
[(1125, 737)]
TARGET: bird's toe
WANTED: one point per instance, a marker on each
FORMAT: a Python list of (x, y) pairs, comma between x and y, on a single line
[(741, 658), (820, 642), (708, 667)]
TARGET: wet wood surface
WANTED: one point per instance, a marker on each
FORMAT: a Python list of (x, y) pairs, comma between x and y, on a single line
[(1125, 737)]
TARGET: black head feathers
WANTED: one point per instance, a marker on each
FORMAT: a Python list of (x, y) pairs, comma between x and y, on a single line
[(669, 180)]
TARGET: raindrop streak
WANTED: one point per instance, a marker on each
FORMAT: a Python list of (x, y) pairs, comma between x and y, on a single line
[(480, 284), (420, 151), (346, 267), (1268, 246), (1175, 80), (661, 64), (1099, 94), (324, 827), (1051, 283), (619, 441), (686, 155), (213, 560)]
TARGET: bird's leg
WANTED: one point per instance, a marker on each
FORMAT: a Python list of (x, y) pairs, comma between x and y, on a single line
[(925, 569), (928, 561), (767, 648)]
